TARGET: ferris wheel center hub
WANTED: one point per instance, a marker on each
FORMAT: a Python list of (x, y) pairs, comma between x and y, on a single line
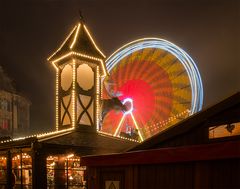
[(128, 102)]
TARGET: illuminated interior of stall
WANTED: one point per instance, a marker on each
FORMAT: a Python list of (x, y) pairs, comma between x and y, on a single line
[(22, 169), (3, 171), (65, 170), (226, 130)]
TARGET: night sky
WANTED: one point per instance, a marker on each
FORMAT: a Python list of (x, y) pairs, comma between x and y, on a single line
[(209, 31)]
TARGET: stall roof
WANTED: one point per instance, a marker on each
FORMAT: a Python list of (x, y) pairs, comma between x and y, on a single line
[(223, 108), (98, 142), (222, 150)]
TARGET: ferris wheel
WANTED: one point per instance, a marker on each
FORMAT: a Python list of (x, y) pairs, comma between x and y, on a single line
[(159, 84)]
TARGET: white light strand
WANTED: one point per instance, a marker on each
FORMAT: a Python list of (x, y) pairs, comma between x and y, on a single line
[(57, 98), (73, 94), (62, 43), (84, 56), (124, 138), (39, 136), (97, 98), (89, 35), (164, 123)]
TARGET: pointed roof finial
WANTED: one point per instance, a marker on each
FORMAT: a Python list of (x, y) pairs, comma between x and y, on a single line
[(81, 16)]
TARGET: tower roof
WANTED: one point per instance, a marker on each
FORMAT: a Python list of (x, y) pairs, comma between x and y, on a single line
[(79, 43)]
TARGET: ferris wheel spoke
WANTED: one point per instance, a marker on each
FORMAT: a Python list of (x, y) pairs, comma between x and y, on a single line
[(119, 125), (137, 127)]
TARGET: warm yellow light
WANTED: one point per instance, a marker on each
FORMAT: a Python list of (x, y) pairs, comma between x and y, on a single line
[(136, 125), (104, 69), (86, 56), (97, 98), (62, 43), (75, 37), (119, 125), (125, 138), (70, 156), (62, 57), (73, 94), (57, 99), (55, 66)]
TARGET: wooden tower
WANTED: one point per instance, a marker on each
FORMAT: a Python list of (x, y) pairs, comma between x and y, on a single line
[(79, 65)]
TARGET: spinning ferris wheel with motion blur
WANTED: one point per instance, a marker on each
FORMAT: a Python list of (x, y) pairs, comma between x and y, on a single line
[(158, 83)]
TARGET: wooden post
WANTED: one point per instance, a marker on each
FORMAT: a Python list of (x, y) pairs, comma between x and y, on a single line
[(39, 168), (9, 170)]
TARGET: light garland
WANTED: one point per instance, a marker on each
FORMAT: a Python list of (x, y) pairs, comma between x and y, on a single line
[(77, 29), (73, 94), (54, 65), (38, 136), (85, 27), (97, 98), (124, 138), (62, 44), (75, 37), (84, 56), (164, 123), (62, 57), (64, 131), (57, 98)]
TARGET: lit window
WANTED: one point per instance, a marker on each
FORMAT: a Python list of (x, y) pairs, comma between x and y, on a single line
[(3, 171), (22, 170), (226, 130), (65, 171)]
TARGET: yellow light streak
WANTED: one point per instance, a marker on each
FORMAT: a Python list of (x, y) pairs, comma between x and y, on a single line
[(75, 37), (62, 57), (85, 27), (73, 94), (62, 43), (119, 125), (57, 99), (97, 98), (136, 125), (54, 65)]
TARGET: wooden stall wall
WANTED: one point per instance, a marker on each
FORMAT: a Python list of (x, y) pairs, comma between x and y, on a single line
[(217, 174)]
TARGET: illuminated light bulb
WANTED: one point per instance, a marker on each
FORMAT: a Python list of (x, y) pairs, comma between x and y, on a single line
[(128, 100), (62, 44), (70, 155)]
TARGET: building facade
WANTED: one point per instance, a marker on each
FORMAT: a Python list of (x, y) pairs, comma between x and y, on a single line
[(14, 110)]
